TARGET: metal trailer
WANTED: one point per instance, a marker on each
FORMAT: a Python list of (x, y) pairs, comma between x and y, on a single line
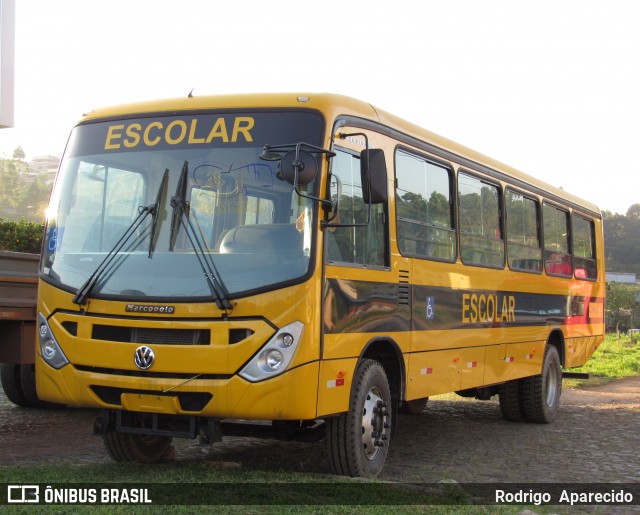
[(18, 299)]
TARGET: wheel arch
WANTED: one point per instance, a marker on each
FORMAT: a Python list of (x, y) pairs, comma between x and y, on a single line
[(557, 340), (387, 352)]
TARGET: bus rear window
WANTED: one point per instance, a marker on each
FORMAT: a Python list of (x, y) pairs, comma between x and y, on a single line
[(557, 260), (584, 257)]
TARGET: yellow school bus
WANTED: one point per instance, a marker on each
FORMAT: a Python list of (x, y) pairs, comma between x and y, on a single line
[(309, 263)]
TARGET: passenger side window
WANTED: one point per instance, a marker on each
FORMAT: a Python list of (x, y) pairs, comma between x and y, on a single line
[(364, 245), (524, 252), (424, 208), (481, 240), (584, 253), (557, 260)]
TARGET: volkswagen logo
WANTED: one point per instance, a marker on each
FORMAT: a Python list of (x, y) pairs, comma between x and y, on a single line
[(143, 357)]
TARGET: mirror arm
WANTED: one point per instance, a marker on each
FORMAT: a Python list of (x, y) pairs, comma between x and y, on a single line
[(326, 223), (272, 153), (343, 135)]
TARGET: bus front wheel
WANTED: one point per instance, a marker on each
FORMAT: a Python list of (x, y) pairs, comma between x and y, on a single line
[(125, 447), (358, 441)]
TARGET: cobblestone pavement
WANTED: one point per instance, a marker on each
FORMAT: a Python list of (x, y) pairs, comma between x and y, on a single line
[(596, 438)]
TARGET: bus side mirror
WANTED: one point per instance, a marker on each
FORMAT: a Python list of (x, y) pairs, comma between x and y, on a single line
[(373, 173)]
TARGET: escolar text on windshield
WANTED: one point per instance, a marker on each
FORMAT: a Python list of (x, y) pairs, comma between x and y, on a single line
[(194, 131)]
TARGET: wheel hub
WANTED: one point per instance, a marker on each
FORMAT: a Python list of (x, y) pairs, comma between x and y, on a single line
[(374, 423), (551, 386)]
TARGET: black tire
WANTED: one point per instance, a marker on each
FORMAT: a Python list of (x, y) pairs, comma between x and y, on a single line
[(414, 407), (28, 386), (358, 441), (10, 378), (133, 448), (511, 407), (541, 393)]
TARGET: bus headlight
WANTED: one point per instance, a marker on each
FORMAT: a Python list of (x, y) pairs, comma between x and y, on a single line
[(274, 359), (276, 355), (49, 348)]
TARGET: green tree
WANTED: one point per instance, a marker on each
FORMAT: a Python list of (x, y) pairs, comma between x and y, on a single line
[(22, 195), (633, 213), (622, 305), (621, 237), (37, 199), (18, 153), (12, 190)]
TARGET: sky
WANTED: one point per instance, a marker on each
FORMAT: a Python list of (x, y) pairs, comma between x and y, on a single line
[(551, 87)]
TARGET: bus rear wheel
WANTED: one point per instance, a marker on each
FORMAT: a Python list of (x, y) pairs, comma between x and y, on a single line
[(541, 393), (358, 441), (510, 395), (126, 447)]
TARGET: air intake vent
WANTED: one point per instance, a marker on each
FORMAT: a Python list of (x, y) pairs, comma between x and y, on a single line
[(71, 327), (237, 335), (151, 335), (404, 288)]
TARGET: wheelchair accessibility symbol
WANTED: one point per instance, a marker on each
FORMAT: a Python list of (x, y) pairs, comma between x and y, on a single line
[(430, 312), (54, 238)]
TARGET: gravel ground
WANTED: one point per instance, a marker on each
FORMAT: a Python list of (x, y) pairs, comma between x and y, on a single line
[(596, 438)]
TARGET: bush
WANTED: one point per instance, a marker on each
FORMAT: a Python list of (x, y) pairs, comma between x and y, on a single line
[(21, 236)]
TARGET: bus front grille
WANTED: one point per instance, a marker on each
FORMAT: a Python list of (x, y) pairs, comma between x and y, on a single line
[(115, 333)]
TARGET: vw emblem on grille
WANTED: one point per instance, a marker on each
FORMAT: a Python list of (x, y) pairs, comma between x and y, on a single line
[(143, 357)]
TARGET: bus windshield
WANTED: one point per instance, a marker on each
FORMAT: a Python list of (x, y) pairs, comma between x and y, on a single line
[(219, 202)]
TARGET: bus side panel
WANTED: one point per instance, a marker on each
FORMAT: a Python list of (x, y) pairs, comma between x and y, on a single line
[(334, 385), (579, 350), (471, 365), (432, 373), (513, 361)]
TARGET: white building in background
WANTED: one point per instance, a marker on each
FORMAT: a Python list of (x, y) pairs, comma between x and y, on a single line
[(621, 277), (44, 165)]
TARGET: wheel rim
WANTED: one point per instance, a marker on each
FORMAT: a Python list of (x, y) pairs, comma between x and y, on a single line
[(374, 418), (551, 386)]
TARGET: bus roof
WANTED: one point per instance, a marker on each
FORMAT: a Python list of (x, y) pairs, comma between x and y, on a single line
[(331, 105)]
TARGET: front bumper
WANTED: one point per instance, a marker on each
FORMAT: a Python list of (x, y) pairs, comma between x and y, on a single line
[(290, 396)]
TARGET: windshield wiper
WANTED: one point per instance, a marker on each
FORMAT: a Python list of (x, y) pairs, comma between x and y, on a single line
[(181, 217), (156, 211), (152, 209), (180, 196)]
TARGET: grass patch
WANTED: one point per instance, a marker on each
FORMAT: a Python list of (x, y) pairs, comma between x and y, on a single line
[(179, 485), (614, 359)]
